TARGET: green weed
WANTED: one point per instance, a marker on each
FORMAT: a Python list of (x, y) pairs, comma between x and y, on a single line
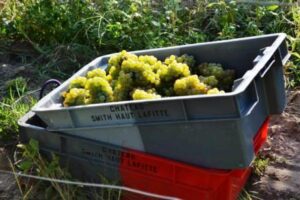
[(13, 106), (32, 162), (16, 87), (244, 195), (259, 165), (293, 67), (70, 33), (292, 71), (247, 194), (46, 22)]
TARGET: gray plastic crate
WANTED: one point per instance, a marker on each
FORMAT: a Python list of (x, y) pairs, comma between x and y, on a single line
[(92, 161), (257, 61), (84, 152), (220, 150), (213, 131)]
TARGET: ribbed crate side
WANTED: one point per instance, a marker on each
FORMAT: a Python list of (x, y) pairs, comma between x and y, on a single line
[(122, 136), (203, 144), (237, 54)]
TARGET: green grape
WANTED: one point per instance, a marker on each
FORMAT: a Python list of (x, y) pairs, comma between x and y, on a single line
[(215, 91), (226, 81), (156, 66), (139, 94), (209, 80), (99, 90), (190, 85), (145, 77), (225, 78), (170, 60), (142, 74), (109, 78), (187, 59), (211, 69), (162, 71), (168, 73), (173, 71), (74, 97), (151, 60), (116, 61), (96, 73), (179, 70), (77, 82), (123, 86), (168, 91), (113, 72)]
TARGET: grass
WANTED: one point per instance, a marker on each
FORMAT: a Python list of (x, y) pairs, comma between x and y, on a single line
[(259, 167), (293, 67), (260, 164), (30, 161), (244, 195), (71, 32), (66, 34), (16, 103)]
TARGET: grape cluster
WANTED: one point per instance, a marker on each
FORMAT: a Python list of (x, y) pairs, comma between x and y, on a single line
[(214, 75), (122, 86), (99, 90), (187, 59), (96, 73), (211, 81), (173, 70), (132, 77), (189, 85), (139, 94), (115, 62), (74, 97), (215, 91), (127, 71), (169, 71), (78, 82), (94, 88)]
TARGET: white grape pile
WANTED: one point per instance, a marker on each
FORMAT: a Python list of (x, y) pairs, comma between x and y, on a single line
[(132, 77)]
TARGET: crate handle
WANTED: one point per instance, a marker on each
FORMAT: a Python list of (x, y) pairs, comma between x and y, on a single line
[(256, 101), (265, 69), (253, 102), (262, 62), (54, 82), (264, 51)]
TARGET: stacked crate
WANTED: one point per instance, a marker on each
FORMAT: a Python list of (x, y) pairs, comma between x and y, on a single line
[(200, 147), (136, 169)]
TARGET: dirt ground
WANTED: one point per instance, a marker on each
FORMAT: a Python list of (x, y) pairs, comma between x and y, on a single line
[(10, 68), (17, 61), (281, 179), (8, 186)]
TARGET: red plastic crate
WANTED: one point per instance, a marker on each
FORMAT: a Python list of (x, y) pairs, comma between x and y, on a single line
[(165, 177), (183, 181), (261, 136)]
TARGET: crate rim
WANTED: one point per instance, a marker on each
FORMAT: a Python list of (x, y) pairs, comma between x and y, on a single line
[(240, 89)]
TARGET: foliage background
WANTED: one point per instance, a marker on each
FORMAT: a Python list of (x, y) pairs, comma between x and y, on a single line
[(54, 38)]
